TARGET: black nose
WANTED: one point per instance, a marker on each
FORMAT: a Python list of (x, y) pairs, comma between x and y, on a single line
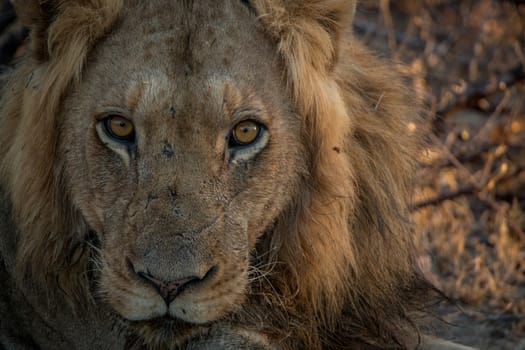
[(168, 290)]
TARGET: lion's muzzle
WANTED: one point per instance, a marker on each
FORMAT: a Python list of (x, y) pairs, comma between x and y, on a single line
[(195, 275)]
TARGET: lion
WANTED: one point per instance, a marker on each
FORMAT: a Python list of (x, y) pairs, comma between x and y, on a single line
[(181, 174)]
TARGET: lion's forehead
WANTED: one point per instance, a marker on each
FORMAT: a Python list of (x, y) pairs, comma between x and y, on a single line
[(213, 37), (155, 95)]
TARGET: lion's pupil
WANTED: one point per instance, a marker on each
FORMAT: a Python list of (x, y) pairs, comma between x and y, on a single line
[(246, 130)]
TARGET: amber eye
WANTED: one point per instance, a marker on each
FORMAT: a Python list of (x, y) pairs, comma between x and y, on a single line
[(245, 133), (119, 128)]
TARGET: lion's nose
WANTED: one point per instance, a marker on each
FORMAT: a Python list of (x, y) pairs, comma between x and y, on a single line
[(169, 290)]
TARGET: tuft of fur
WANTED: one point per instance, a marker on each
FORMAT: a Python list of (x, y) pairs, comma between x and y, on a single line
[(340, 260)]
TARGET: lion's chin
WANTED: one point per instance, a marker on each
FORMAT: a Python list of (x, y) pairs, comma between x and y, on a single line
[(177, 324), (164, 332)]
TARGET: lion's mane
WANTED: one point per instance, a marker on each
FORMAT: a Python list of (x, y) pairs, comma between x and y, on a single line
[(340, 259)]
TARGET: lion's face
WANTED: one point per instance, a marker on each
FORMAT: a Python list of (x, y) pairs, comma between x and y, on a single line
[(180, 148)]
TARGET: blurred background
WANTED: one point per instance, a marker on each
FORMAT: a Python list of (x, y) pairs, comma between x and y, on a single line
[(466, 61)]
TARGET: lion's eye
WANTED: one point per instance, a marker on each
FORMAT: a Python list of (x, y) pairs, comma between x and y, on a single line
[(246, 140), (245, 133), (119, 128)]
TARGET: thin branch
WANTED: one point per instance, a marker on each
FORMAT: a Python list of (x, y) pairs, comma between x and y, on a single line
[(473, 92), (472, 189), (443, 197)]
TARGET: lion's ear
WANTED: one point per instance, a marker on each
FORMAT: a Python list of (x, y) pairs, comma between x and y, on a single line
[(56, 26), (308, 27), (310, 36), (333, 16), (37, 15)]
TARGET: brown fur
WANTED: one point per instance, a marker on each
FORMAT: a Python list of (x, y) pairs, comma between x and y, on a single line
[(332, 259)]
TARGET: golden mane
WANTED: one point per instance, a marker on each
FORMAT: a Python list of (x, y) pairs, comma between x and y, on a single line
[(346, 245), (341, 256)]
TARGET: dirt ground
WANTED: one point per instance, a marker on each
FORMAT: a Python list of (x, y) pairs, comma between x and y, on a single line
[(466, 61)]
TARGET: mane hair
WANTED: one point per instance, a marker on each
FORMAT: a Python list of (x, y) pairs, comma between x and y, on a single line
[(344, 252), (313, 241), (51, 237)]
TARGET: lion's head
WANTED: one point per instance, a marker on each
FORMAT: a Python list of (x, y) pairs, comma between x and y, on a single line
[(239, 160)]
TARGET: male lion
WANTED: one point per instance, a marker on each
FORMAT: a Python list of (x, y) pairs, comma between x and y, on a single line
[(205, 175)]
